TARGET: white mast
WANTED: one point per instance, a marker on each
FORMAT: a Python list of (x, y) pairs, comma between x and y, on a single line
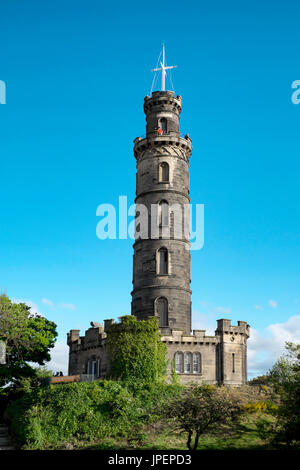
[(163, 69)]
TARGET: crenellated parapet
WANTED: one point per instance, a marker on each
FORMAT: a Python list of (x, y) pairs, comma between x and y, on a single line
[(162, 101)]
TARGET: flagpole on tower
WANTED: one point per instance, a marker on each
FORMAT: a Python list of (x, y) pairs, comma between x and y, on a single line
[(163, 68)]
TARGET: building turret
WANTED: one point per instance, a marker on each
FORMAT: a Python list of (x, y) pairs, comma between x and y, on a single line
[(232, 352)]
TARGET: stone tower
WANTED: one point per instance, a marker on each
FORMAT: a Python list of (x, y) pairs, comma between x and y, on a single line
[(162, 264), (161, 261)]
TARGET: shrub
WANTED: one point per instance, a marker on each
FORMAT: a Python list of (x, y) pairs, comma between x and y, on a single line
[(199, 408), (136, 351), (50, 417), (85, 411), (261, 406)]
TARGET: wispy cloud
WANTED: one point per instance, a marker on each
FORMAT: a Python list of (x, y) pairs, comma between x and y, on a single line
[(63, 305), (206, 319), (258, 307), (67, 306), (273, 303), (223, 310)]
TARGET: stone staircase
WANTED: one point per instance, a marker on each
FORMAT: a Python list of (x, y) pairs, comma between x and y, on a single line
[(5, 441)]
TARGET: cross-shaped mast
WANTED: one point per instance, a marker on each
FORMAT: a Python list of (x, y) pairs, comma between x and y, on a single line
[(163, 69)]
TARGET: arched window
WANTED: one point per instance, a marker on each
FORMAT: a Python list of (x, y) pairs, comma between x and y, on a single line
[(162, 261), (178, 362), (196, 363), (163, 125), (163, 214), (163, 172), (233, 363), (188, 362), (162, 311)]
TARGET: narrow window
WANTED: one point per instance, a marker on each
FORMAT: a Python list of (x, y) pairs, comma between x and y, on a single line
[(163, 172), (196, 363), (188, 362), (162, 311), (179, 362), (162, 261), (233, 362), (163, 213), (98, 367), (163, 125)]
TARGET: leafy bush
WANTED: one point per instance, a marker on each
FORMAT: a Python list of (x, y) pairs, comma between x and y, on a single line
[(285, 376), (68, 413), (136, 351), (86, 411)]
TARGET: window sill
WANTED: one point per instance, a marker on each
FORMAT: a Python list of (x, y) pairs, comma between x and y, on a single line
[(189, 373)]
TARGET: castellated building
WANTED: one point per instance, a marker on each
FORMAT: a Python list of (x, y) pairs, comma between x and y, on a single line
[(162, 264)]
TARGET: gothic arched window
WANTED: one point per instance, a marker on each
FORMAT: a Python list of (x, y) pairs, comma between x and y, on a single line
[(162, 311), (163, 172), (162, 261), (163, 125), (163, 214), (178, 362), (197, 363), (188, 362)]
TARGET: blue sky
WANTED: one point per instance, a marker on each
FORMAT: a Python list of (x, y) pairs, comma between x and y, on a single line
[(76, 74)]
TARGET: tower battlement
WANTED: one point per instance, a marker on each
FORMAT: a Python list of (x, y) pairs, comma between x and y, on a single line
[(224, 327), (163, 100)]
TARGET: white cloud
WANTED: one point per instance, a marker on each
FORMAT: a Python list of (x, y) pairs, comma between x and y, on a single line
[(47, 302), (265, 348), (258, 307), (33, 306), (273, 303), (59, 358), (288, 331)]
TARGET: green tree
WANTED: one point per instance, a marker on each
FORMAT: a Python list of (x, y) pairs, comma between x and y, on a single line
[(199, 408), (136, 350), (28, 338), (285, 376)]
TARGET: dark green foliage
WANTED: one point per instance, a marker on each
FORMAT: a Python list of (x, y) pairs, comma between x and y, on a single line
[(285, 376), (136, 350), (50, 417), (200, 407), (260, 380)]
